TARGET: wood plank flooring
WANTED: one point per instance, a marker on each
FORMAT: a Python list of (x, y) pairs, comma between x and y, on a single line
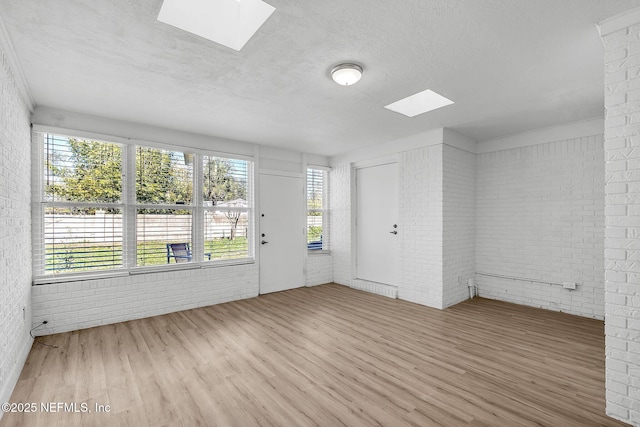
[(325, 356)]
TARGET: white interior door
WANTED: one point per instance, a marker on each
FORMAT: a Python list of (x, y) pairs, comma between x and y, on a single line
[(281, 236), (376, 223)]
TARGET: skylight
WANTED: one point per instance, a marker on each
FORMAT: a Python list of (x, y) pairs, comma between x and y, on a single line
[(228, 22), (421, 102)]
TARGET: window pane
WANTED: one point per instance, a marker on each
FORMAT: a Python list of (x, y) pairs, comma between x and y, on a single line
[(315, 209), (315, 188), (163, 236), (226, 182), (225, 234), (79, 170), (82, 239), (163, 177), (314, 230)]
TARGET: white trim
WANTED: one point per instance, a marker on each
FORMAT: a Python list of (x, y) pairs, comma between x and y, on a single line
[(37, 210), (136, 271), (105, 205), (100, 137), (78, 277), (282, 173), (322, 168), (382, 289), (227, 263), (12, 379), (164, 268), (45, 117), (561, 132), (133, 141), (619, 22), (318, 252), (411, 142), (129, 212), (16, 67), (387, 160)]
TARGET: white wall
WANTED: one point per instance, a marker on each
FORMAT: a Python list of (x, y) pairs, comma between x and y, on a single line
[(15, 228), (621, 37), (532, 210), (459, 223), (420, 210), (436, 253), (71, 306), (340, 181), (540, 216), (319, 269)]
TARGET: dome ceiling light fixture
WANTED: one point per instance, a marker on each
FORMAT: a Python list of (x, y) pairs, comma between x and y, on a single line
[(346, 74)]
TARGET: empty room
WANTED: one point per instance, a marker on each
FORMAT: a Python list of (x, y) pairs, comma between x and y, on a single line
[(320, 213)]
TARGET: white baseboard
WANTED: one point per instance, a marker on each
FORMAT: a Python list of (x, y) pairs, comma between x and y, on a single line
[(12, 379), (375, 288)]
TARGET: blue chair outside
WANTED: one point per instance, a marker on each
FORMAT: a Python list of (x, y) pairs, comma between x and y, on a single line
[(316, 245), (180, 252)]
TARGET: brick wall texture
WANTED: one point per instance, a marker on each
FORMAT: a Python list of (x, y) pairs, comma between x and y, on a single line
[(540, 216), (459, 223), (319, 269), (340, 180), (622, 232), (83, 304), (420, 209), (15, 229), (436, 225)]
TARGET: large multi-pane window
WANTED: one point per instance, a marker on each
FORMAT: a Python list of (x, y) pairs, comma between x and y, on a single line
[(317, 209), (110, 206)]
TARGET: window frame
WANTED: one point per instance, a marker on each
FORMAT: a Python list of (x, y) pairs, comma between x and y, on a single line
[(129, 207), (324, 210)]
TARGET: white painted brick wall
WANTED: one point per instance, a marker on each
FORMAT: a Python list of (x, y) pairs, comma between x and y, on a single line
[(76, 305), (622, 234), (423, 194), (319, 269), (340, 179), (420, 207), (15, 230), (459, 219), (540, 215)]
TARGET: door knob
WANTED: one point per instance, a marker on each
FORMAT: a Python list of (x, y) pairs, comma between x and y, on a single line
[(264, 241), (393, 232)]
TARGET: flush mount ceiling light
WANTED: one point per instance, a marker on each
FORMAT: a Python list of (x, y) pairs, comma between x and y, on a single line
[(228, 22), (346, 74), (419, 103)]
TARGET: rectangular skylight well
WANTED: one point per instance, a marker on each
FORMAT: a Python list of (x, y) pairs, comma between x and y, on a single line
[(228, 22), (421, 102)]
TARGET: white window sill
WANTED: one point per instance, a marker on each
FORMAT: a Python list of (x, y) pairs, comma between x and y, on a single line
[(319, 252), (97, 275)]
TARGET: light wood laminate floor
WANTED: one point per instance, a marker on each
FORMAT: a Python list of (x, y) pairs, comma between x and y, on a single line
[(325, 356)]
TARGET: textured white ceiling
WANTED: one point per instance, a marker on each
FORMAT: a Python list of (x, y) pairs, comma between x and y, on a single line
[(509, 65)]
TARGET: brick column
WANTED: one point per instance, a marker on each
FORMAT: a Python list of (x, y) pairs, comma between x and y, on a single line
[(621, 37)]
